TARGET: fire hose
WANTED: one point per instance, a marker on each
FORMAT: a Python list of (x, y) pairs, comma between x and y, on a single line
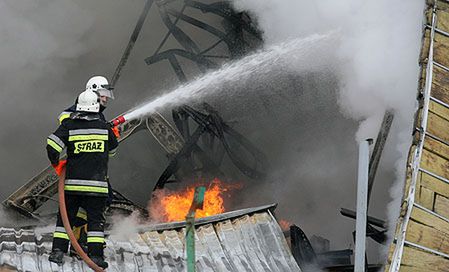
[(68, 228)]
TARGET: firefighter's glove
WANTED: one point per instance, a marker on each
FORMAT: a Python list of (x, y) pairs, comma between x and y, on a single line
[(59, 166), (116, 132)]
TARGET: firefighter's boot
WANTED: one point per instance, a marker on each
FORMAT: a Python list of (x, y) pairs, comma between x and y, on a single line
[(73, 253), (99, 261), (57, 257)]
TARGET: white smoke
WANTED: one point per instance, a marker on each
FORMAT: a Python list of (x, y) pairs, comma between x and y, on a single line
[(377, 59), (125, 227), (378, 49)]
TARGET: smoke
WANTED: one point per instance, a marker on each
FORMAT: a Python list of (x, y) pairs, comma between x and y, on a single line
[(49, 49), (306, 123), (125, 228), (11, 219), (33, 47), (376, 70), (377, 50)]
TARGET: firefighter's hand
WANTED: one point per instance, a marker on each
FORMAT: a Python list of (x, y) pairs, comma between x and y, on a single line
[(116, 132), (59, 166)]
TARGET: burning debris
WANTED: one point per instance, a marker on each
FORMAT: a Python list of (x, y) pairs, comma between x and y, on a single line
[(169, 206)]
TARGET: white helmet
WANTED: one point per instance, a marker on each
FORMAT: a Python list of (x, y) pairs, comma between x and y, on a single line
[(88, 101), (100, 85)]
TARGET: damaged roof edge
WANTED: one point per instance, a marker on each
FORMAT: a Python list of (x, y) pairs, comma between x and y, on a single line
[(242, 240), (207, 220)]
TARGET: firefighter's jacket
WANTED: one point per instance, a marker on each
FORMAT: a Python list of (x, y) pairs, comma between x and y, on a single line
[(89, 142)]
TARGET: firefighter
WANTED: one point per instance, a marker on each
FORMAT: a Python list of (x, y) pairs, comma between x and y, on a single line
[(89, 141), (100, 85)]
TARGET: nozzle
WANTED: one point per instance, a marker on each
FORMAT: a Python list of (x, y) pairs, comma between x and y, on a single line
[(117, 121)]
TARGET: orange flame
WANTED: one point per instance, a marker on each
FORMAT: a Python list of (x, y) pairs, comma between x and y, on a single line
[(168, 206)]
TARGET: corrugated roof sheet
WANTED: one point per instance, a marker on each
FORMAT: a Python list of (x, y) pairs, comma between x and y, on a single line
[(244, 240)]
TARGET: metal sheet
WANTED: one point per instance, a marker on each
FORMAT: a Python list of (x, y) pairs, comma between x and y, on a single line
[(244, 240)]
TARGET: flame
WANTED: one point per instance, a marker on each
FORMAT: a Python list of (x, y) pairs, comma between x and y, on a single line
[(285, 225), (169, 206)]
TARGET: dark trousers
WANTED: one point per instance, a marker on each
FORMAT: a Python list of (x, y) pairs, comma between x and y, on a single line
[(94, 207)]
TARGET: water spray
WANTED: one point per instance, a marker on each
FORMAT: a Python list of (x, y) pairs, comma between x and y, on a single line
[(271, 60)]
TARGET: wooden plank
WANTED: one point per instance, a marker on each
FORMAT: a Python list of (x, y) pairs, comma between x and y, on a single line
[(412, 269), (427, 236), (430, 220), (425, 51), (439, 110), (408, 174), (438, 126), (389, 256), (437, 147), (407, 189), (434, 184), (414, 259), (418, 188), (426, 198), (418, 184), (441, 49), (391, 252), (440, 81), (428, 230), (417, 123), (443, 16), (435, 164), (441, 5), (441, 206), (7, 268)]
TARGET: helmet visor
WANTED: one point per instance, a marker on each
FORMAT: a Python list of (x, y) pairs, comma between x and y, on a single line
[(105, 92)]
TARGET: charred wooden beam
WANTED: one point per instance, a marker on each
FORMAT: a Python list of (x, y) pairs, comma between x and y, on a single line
[(378, 148), (371, 220), (132, 41)]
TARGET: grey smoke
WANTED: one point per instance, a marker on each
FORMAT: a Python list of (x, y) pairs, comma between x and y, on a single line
[(377, 60), (50, 48)]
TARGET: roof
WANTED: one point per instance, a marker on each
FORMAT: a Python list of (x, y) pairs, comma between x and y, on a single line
[(243, 240)]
